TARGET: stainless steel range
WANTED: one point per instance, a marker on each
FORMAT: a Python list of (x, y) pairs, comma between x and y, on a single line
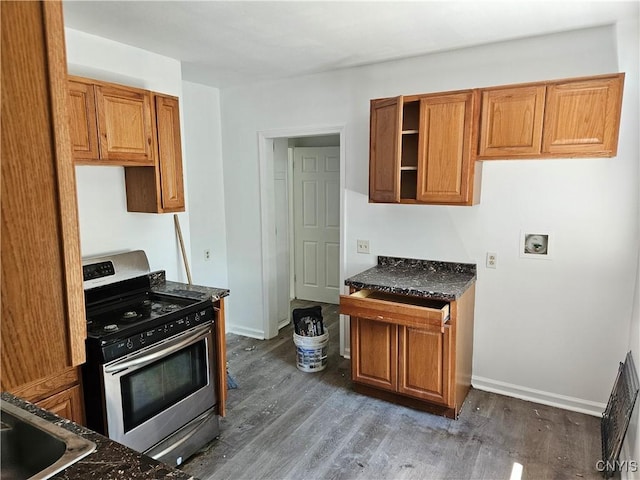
[(149, 380)]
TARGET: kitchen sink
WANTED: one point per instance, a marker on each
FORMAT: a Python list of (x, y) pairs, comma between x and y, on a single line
[(33, 448)]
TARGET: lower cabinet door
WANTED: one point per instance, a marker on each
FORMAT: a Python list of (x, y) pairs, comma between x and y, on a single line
[(374, 351), (66, 404), (423, 363)]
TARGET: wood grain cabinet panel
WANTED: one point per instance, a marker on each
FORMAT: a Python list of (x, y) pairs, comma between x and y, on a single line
[(43, 316), (384, 150), (169, 152), (555, 119), (83, 121), (375, 348), (423, 363), (445, 166), (511, 121), (414, 351), (110, 124), (583, 117), (124, 125), (59, 393), (66, 404), (160, 189), (421, 149)]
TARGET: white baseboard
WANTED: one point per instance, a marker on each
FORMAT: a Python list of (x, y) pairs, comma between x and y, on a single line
[(245, 332), (539, 396)]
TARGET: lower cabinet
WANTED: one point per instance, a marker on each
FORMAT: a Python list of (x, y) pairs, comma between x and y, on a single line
[(66, 404), (60, 394), (423, 364), (374, 353), (411, 350)]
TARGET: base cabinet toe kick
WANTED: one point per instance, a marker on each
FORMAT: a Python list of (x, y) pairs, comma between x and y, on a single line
[(411, 350)]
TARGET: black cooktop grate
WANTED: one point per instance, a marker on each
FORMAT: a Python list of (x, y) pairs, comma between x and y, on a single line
[(616, 417)]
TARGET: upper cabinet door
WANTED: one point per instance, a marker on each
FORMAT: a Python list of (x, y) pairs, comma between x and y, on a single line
[(511, 121), (125, 125), (445, 167), (583, 117), (169, 153), (384, 151), (82, 121)]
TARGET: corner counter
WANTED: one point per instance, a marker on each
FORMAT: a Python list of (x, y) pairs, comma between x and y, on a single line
[(110, 461), (412, 332)]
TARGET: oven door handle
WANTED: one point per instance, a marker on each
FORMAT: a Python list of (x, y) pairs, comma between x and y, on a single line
[(161, 352)]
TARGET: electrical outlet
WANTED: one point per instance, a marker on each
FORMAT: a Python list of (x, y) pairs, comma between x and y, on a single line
[(207, 255), (492, 259), (363, 246)]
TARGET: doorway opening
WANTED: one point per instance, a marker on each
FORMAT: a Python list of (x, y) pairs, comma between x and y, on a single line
[(302, 211)]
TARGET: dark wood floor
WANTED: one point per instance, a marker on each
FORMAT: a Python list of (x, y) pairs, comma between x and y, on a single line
[(283, 423)]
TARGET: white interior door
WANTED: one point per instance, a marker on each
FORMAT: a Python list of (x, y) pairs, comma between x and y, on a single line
[(316, 207)]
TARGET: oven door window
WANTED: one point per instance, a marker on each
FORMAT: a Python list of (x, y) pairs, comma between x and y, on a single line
[(151, 389)]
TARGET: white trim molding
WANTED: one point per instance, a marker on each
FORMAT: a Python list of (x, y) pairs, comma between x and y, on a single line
[(265, 154), (539, 396), (246, 332)]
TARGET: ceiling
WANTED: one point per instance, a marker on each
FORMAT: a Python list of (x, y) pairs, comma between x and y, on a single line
[(227, 43)]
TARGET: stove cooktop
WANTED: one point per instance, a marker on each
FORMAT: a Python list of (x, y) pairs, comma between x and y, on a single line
[(137, 314)]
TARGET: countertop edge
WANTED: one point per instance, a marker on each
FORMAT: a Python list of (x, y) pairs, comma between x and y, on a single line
[(446, 281), (110, 460)]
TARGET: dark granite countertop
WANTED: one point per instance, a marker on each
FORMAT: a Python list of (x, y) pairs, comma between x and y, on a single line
[(420, 278), (110, 460), (161, 285)]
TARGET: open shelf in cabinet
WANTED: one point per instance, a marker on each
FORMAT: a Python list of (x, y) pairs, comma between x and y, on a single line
[(409, 150)]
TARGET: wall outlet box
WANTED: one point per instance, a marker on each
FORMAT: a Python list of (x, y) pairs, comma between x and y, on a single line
[(492, 260), (207, 255), (363, 246)]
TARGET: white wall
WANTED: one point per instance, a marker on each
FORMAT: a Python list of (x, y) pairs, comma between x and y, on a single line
[(554, 330), (105, 224), (203, 150), (627, 32)]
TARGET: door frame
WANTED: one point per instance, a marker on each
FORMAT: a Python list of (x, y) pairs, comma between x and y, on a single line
[(267, 214)]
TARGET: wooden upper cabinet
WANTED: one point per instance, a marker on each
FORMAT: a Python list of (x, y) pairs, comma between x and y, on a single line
[(583, 117), (160, 189), (567, 118), (134, 128), (421, 149), (169, 152), (125, 125), (511, 121), (110, 124), (445, 166), (384, 150), (82, 121)]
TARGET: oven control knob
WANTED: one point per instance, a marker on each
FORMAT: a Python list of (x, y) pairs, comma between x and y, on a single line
[(129, 344)]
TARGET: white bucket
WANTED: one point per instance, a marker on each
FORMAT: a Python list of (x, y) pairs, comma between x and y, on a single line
[(311, 352)]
